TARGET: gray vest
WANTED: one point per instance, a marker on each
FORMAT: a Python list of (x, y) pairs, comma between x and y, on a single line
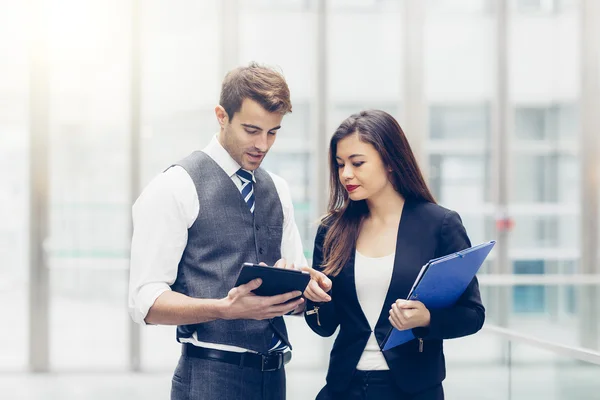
[(224, 236)]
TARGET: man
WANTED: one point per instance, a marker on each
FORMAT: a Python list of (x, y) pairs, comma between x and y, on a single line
[(194, 226)]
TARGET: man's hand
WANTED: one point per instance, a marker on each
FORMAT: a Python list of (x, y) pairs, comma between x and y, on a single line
[(318, 286), (241, 303), (281, 263), (408, 314)]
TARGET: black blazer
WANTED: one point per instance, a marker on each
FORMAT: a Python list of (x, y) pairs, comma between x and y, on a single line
[(426, 231)]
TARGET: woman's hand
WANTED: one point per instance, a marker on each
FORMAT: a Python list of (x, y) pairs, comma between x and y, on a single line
[(318, 286), (408, 314), (319, 283)]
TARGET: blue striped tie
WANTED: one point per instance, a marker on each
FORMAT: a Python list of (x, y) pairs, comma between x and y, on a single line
[(277, 344), (247, 188), (247, 191)]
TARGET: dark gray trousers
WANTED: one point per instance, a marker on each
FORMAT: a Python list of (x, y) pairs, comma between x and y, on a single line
[(199, 379)]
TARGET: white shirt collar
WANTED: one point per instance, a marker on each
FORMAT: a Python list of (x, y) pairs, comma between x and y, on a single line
[(217, 152)]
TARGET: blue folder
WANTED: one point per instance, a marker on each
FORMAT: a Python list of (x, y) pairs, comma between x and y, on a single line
[(440, 283)]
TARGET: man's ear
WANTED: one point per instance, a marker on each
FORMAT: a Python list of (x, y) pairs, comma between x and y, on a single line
[(221, 115)]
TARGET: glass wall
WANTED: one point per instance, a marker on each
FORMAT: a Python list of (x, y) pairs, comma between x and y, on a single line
[(364, 62), (89, 114), (459, 86), (14, 185), (544, 144), (185, 50)]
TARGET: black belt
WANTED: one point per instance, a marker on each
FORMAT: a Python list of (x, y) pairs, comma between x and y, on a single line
[(271, 362)]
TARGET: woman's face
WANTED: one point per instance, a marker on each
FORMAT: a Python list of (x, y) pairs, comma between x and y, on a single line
[(360, 169)]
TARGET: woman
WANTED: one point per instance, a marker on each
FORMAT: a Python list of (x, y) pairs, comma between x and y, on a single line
[(382, 226)]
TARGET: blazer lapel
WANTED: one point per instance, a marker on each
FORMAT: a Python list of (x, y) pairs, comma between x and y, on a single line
[(350, 296), (406, 267)]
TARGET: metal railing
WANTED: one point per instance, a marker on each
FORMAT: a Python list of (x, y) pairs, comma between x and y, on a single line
[(577, 353)]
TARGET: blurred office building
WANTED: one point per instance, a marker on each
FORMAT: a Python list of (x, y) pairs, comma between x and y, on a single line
[(500, 100)]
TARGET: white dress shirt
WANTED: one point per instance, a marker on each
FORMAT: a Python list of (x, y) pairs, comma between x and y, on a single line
[(162, 215), (372, 277)]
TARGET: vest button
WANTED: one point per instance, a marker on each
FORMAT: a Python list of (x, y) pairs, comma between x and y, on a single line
[(257, 227), (261, 250)]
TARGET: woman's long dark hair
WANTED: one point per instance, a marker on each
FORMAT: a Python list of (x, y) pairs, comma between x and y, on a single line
[(344, 216)]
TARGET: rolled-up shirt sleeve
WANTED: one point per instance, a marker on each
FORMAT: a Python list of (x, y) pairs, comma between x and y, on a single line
[(162, 215)]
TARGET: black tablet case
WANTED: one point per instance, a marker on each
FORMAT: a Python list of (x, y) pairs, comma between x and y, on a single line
[(274, 280)]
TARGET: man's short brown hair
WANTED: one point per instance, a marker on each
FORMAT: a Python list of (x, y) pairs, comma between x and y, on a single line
[(262, 84)]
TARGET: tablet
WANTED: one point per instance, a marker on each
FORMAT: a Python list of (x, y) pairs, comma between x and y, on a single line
[(274, 280)]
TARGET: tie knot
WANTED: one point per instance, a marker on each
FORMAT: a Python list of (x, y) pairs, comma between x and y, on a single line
[(244, 175)]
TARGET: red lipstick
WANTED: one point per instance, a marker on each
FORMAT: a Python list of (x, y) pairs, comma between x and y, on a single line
[(351, 188)]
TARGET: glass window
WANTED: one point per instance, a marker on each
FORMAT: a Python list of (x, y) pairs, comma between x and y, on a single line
[(462, 6), (545, 6), (530, 123), (549, 178), (364, 5), (458, 180), (544, 147), (459, 42), (342, 110), (360, 72), (548, 230), (269, 5), (459, 174), (14, 190), (459, 164), (529, 299), (535, 5), (459, 122), (546, 123), (557, 302), (89, 182), (536, 178), (459, 54)]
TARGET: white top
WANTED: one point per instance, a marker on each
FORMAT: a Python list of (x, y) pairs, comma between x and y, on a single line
[(372, 277), (162, 214)]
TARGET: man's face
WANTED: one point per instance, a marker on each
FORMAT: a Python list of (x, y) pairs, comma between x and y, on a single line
[(249, 134)]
